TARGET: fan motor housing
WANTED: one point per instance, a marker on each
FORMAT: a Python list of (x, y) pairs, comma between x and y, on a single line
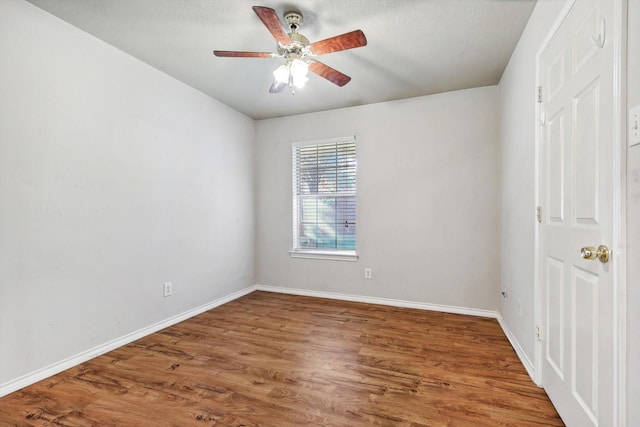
[(299, 47), (299, 43), (293, 19), (297, 38)]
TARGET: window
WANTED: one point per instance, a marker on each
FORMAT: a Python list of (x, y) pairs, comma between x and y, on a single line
[(324, 199)]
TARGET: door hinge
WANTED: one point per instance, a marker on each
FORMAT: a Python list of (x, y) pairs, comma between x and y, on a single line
[(539, 97), (539, 333), (539, 213)]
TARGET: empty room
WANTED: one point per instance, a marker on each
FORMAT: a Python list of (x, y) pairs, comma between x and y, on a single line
[(320, 213)]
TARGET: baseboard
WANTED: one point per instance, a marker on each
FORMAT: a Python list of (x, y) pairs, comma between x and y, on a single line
[(40, 374), (382, 301), (528, 365)]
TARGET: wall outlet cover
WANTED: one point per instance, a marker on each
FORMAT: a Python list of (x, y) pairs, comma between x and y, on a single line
[(168, 289), (634, 126)]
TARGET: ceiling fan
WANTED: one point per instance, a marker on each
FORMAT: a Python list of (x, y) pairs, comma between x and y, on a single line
[(299, 54)]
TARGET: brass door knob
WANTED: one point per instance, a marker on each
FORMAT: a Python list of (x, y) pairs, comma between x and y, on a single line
[(602, 253)]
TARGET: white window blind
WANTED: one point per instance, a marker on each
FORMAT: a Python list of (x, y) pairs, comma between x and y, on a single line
[(324, 196)]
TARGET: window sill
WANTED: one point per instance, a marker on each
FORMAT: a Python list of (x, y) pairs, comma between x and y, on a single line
[(328, 255)]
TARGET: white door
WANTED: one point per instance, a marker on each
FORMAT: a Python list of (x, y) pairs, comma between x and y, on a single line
[(576, 196)]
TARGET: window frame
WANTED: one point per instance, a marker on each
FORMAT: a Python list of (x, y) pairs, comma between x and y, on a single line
[(315, 253)]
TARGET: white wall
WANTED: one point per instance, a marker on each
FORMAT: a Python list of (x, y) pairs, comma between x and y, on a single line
[(517, 91), (633, 222), (427, 201), (114, 178)]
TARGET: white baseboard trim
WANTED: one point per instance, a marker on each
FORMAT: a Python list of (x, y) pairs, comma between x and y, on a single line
[(528, 365), (41, 374), (381, 301)]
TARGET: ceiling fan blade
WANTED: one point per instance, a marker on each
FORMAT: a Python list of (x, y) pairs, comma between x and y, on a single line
[(235, 54), (277, 87), (342, 42), (331, 74), (269, 18)]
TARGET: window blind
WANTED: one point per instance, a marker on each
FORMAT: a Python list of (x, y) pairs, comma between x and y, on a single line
[(324, 189)]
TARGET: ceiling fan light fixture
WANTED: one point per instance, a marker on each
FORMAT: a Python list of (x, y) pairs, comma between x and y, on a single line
[(281, 74), (300, 81), (293, 72), (299, 71)]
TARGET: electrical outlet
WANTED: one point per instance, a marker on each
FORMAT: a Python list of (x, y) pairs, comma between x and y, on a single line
[(634, 126), (519, 306), (367, 273), (168, 289)]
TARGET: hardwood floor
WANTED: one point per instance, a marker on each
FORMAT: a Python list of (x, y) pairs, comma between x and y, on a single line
[(269, 359)]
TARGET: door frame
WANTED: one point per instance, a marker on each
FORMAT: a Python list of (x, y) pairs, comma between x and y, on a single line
[(617, 34)]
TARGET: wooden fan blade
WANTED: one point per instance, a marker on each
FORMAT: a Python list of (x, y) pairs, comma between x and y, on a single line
[(277, 87), (269, 18), (331, 74), (235, 54), (342, 42)]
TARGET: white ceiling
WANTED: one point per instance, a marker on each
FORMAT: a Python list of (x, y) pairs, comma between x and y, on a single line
[(415, 47)]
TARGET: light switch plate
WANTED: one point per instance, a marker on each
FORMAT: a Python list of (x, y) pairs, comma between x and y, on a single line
[(634, 126)]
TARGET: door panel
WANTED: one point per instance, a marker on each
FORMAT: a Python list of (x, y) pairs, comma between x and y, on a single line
[(555, 168), (584, 48), (576, 185), (585, 340), (556, 75), (586, 161), (555, 316)]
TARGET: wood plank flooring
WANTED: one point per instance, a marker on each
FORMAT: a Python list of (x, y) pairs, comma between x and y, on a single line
[(279, 360)]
